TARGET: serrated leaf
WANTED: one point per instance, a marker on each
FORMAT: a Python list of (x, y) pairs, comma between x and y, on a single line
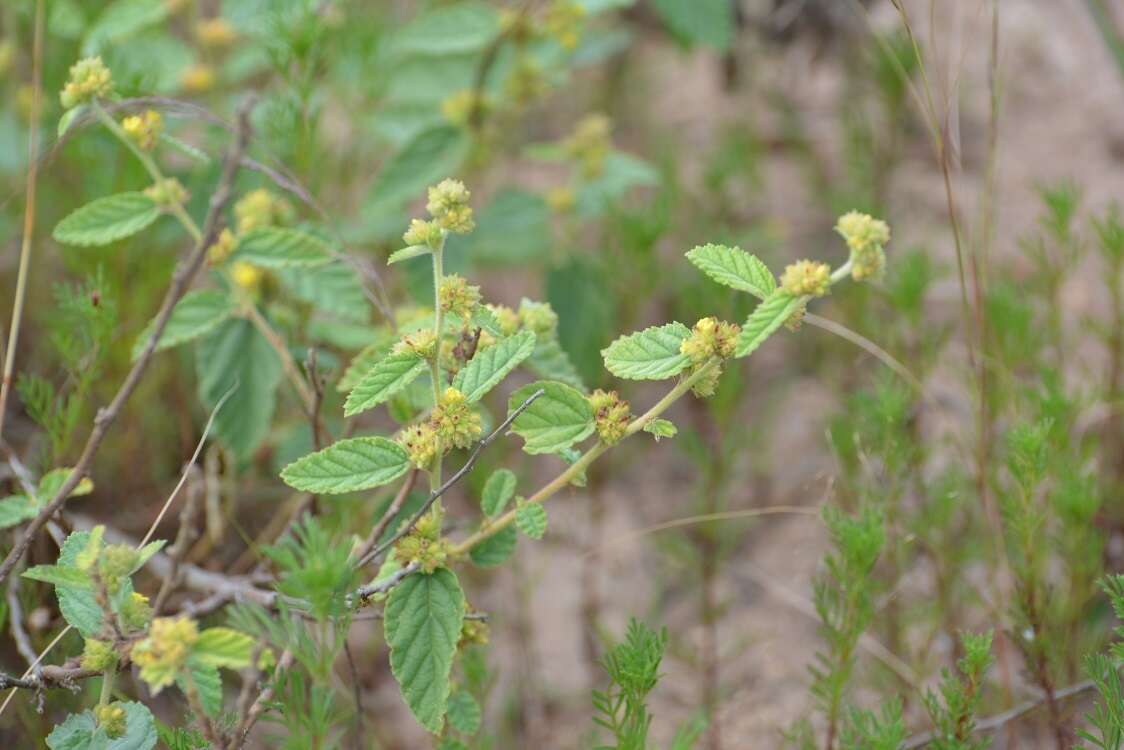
[(16, 509), (332, 288), (348, 466), (58, 575), (464, 713), (107, 220), (51, 482), (145, 553), (550, 360), (236, 354), (735, 268), (382, 381), (361, 364), (651, 354), (661, 428), (531, 520), (412, 251), (196, 314), (498, 490), (223, 647), (491, 364), (79, 605), (555, 420), (765, 319), (80, 731), (496, 549), (207, 682), (423, 618), (277, 247)]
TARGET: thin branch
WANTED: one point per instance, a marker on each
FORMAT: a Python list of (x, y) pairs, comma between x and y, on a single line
[(185, 536), (181, 280), (15, 620), (391, 511), (460, 473), (259, 706)]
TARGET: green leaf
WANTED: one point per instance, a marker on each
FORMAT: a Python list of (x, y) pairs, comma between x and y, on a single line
[(531, 520), (382, 381), (464, 712), (196, 314), (700, 22), (430, 156), (348, 466), (68, 118), (17, 509), (735, 268), (51, 482), (207, 682), (492, 364), (59, 575), (498, 490), (555, 420), (80, 731), (107, 220), (514, 227), (423, 618), (275, 247), (464, 27), (661, 428), (185, 148), (120, 20), (236, 354), (361, 364), (331, 288), (651, 354), (145, 553), (412, 251), (76, 733), (223, 647), (496, 549), (550, 360), (765, 320), (79, 605)]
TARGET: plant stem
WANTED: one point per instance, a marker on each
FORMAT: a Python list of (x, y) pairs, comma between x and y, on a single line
[(435, 365), (107, 686), (587, 458)]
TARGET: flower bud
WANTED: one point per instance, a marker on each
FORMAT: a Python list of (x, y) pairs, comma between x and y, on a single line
[(426, 233), (144, 130), (261, 208), (707, 384), (98, 656), (458, 296), (455, 421), (422, 343), (89, 79), (590, 144), (806, 277), (420, 442), (198, 79), (215, 33), (710, 338), (167, 193), (474, 631), (538, 317), (429, 525), (866, 237), (508, 318), (161, 655), (246, 276), (428, 553), (136, 612), (611, 415), (448, 204), (111, 719), (222, 248), (563, 21)]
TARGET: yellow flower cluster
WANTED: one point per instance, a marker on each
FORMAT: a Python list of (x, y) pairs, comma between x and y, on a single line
[(144, 130), (866, 237), (168, 192), (98, 656), (710, 338), (222, 248), (461, 106), (538, 317), (456, 423), (448, 205), (111, 719), (423, 232), (806, 277), (161, 655), (563, 22), (261, 208), (611, 415), (590, 143), (420, 442), (508, 318), (89, 79), (198, 79), (458, 296), (247, 276)]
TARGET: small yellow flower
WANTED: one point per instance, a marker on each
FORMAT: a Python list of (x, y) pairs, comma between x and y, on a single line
[(708, 384), (866, 237), (560, 199), (167, 193), (429, 525), (111, 719), (89, 79), (458, 296), (428, 233), (420, 442), (710, 338), (527, 82), (215, 33), (429, 554), (98, 656), (508, 318), (144, 130), (247, 276), (456, 423), (474, 631), (161, 655), (222, 248), (261, 208), (806, 277), (538, 317), (611, 415), (563, 21), (448, 204), (590, 143), (198, 79), (462, 106), (422, 343)]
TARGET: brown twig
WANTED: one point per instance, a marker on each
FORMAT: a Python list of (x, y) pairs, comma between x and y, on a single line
[(259, 706), (15, 620), (181, 280)]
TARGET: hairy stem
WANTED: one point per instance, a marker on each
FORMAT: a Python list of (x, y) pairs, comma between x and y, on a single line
[(435, 365)]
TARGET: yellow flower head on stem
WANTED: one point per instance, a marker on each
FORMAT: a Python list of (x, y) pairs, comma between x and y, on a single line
[(144, 129), (806, 277), (89, 79), (448, 204)]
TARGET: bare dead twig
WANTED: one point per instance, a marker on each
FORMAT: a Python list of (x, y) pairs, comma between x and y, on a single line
[(181, 280)]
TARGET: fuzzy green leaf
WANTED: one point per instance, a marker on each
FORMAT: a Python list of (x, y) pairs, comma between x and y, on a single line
[(661, 428), (432, 155), (59, 575), (550, 360), (382, 381), (492, 364), (108, 219), (348, 466), (236, 354), (17, 509), (275, 247), (496, 549), (361, 364), (223, 647), (454, 29), (78, 604), (765, 320), (194, 315), (207, 682), (412, 251), (80, 731), (464, 713), (555, 420), (735, 268), (498, 490), (531, 520), (423, 618), (651, 354), (51, 482), (330, 288)]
